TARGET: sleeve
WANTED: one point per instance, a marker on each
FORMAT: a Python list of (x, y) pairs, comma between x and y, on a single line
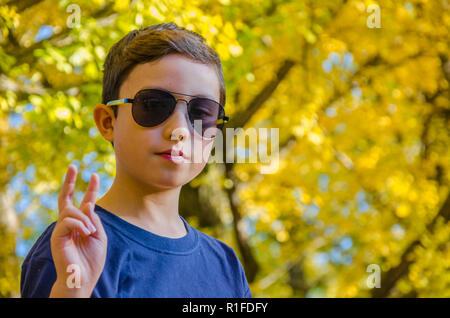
[(247, 293), (37, 278), (38, 270)]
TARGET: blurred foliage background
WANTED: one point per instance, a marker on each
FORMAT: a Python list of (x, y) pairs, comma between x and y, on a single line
[(363, 116)]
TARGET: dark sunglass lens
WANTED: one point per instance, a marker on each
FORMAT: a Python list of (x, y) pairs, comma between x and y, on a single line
[(152, 107), (206, 111)]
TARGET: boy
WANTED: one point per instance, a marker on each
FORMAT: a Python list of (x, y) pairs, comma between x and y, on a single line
[(159, 83)]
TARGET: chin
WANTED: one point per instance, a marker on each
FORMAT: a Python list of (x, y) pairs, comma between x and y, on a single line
[(169, 182)]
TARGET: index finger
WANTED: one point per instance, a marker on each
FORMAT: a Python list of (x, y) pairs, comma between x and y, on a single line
[(68, 188), (91, 192)]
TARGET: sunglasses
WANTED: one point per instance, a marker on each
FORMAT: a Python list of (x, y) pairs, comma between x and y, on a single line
[(151, 107)]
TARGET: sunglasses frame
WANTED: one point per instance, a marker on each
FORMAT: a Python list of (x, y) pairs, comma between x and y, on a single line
[(219, 121)]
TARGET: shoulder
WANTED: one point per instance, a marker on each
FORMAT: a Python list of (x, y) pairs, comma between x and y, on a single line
[(222, 252), (228, 259), (42, 248), (217, 246)]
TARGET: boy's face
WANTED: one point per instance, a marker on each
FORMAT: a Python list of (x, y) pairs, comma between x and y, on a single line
[(136, 147)]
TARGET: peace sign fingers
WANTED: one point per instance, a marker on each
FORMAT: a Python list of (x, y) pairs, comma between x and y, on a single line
[(91, 194), (68, 188)]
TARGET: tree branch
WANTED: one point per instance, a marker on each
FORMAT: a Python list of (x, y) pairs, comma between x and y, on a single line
[(26, 54), (390, 278), (22, 5), (241, 118), (251, 266)]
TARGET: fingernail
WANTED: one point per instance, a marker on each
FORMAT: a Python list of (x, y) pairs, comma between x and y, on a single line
[(87, 231), (91, 228)]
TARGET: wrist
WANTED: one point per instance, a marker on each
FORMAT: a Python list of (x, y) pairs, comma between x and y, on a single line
[(61, 289)]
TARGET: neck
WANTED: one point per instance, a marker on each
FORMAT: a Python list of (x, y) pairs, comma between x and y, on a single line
[(153, 209)]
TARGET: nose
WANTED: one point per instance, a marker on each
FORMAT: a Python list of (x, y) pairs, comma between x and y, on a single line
[(177, 126)]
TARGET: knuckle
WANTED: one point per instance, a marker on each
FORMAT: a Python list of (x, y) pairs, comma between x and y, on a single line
[(77, 214), (65, 212), (65, 221), (71, 221)]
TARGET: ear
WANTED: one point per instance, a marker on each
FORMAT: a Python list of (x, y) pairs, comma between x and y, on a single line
[(105, 120)]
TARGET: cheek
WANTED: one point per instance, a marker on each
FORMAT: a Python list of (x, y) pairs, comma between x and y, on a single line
[(134, 142), (193, 170), (200, 149), (199, 155)]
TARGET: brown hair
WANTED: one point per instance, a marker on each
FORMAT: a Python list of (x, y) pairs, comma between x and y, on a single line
[(149, 44)]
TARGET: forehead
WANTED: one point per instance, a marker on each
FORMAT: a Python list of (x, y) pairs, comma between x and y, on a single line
[(174, 73)]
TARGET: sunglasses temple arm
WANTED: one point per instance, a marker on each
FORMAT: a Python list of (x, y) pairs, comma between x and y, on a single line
[(119, 102), (223, 120)]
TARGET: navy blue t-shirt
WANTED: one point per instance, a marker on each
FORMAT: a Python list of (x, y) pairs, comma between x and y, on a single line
[(142, 264)]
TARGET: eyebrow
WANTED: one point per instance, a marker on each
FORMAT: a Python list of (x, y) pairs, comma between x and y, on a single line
[(164, 89)]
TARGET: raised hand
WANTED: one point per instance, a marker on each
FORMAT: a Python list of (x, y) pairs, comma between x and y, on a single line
[(78, 241)]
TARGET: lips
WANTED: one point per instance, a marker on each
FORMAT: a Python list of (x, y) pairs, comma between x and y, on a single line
[(172, 152), (173, 155)]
